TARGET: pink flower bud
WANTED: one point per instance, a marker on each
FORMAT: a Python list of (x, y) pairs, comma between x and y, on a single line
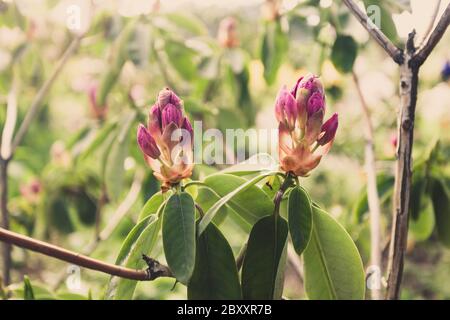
[(147, 143), (154, 121), (187, 126), (227, 35), (315, 103), (166, 97), (168, 154), (329, 129), (171, 114), (303, 137), (394, 140), (286, 108), (98, 111)]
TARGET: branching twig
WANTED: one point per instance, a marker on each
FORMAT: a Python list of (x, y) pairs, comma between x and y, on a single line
[(81, 260), (372, 192), (423, 53), (34, 108), (10, 122), (375, 32), (431, 23), (410, 62), (402, 187)]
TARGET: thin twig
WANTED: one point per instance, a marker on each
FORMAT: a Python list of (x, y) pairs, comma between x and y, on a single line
[(5, 154), (76, 258), (10, 122), (6, 248), (431, 23), (122, 209), (34, 108), (423, 53), (375, 32), (372, 192)]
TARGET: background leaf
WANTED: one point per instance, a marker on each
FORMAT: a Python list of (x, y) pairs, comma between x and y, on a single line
[(441, 206), (114, 167), (273, 48), (343, 53)]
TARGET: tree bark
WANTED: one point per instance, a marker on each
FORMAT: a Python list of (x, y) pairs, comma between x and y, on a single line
[(402, 188)]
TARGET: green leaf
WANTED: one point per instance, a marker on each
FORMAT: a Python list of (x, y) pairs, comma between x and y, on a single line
[(422, 228), (441, 206), (215, 274), (86, 207), (100, 137), (271, 186), (179, 235), (255, 164), (39, 291), (59, 215), (273, 49), (421, 178), (332, 265), (28, 293), (151, 206), (387, 24), (209, 67), (300, 218), (206, 199), (242, 196), (262, 260), (114, 167), (119, 55), (418, 185), (182, 59), (343, 53), (141, 240), (132, 237), (385, 184), (188, 22)]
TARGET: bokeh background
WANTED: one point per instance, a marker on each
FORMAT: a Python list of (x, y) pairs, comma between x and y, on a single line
[(227, 60)]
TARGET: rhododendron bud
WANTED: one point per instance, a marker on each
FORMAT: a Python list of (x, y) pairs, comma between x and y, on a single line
[(147, 143), (270, 10), (168, 97), (329, 129), (227, 35), (98, 111), (167, 140), (286, 108), (31, 190), (394, 140), (304, 141)]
